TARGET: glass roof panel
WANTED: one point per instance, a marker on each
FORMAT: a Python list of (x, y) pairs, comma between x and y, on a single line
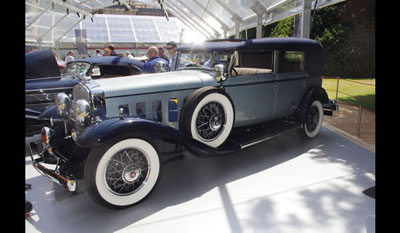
[(47, 21)]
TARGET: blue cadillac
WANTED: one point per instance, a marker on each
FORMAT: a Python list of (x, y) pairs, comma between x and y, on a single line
[(224, 96)]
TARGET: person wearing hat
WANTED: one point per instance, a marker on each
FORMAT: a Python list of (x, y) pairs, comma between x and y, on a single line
[(171, 48)]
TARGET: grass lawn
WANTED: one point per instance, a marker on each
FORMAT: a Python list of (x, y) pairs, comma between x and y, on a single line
[(351, 92)]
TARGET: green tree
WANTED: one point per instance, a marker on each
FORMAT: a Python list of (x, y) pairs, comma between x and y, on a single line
[(284, 28)]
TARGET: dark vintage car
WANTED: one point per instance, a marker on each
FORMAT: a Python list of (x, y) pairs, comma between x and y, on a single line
[(43, 80), (223, 97)]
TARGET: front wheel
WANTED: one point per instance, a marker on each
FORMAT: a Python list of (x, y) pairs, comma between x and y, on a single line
[(313, 121), (123, 173)]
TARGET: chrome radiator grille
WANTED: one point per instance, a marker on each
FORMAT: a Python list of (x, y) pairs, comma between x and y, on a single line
[(80, 92)]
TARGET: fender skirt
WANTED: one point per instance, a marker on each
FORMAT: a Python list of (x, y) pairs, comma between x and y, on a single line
[(111, 128)]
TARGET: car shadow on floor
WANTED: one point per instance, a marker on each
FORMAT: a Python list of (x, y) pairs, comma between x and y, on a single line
[(58, 210)]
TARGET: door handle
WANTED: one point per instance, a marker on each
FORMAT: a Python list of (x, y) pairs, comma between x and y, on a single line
[(274, 87)]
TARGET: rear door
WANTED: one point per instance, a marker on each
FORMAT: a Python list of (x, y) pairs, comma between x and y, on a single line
[(291, 81)]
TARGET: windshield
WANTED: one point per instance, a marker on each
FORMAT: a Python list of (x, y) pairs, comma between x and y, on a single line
[(76, 68), (203, 59)]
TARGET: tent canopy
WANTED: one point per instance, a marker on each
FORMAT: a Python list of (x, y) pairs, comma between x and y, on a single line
[(48, 22)]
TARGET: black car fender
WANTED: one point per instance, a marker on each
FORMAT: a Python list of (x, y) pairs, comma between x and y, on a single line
[(313, 93), (106, 130)]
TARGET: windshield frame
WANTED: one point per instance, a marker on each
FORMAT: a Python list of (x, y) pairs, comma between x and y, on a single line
[(212, 59), (77, 73)]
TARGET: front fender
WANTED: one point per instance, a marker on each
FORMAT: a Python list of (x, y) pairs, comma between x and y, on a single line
[(111, 128)]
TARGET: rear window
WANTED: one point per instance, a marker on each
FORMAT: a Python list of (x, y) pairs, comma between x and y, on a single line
[(291, 61)]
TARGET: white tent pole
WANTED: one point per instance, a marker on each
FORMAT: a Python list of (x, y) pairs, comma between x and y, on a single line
[(217, 34), (37, 17), (190, 20), (306, 19)]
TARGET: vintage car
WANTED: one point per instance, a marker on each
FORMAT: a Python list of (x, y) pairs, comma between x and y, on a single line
[(223, 97), (43, 84)]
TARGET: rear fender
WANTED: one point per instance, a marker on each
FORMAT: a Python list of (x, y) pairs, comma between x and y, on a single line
[(314, 93)]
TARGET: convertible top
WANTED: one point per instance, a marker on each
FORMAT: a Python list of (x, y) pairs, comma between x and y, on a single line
[(41, 64), (112, 60)]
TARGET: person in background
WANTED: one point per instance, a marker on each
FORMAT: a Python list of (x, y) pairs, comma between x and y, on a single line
[(98, 53), (171, 48), (162, 55), (152, 54), (69, 57), (129, 55), (113, 53), (107, 51)]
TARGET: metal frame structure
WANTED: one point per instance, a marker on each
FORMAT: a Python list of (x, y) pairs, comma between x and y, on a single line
[(211, 18)]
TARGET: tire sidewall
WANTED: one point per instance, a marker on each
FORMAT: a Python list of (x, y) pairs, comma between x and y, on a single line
[(315, 132), (213, 96), (101, 189)]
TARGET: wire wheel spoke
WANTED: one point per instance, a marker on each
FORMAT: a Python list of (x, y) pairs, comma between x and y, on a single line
[(126, 171), (210, 120)]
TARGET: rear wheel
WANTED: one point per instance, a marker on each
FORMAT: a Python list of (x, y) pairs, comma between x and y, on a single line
[(313, 121), (122, 173)]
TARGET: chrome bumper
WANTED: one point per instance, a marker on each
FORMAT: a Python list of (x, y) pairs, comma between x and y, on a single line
[(51, 174)]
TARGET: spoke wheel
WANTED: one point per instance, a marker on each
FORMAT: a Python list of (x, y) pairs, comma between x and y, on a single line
[(210, 120), (208, 116), (126, 172), (121, 173)]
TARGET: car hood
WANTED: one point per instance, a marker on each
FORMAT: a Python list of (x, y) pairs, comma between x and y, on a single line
[(152, 83)]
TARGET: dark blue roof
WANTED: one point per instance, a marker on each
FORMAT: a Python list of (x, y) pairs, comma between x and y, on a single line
[(253, 44), (112, 60)]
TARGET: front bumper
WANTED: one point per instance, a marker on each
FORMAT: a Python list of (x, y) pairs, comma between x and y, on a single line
[(54, 175)]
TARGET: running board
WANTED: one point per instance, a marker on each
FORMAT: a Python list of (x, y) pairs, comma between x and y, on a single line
[(246, 137)]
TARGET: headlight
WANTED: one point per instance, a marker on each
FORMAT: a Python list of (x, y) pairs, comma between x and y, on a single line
[(46, 136), (218, 71), (82, 110), (63, 103)]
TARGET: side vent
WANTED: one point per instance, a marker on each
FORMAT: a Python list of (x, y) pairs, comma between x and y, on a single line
[(141, 110), (173, 110), (157, 110)]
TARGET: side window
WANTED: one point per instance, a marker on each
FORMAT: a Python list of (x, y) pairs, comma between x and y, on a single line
[(251, 63), (291, 61)]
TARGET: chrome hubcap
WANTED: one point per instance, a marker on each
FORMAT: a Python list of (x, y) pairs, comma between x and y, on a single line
[(127, 171), (210, 120)]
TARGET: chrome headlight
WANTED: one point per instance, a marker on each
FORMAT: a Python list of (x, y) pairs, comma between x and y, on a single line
[(218, 72), (82, 110), (63, 103), (160, 66)]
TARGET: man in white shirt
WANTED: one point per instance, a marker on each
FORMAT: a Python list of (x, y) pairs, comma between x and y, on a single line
[(69, 57), (129, 55)]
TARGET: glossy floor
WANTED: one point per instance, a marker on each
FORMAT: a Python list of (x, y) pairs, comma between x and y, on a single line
[(282, 185)]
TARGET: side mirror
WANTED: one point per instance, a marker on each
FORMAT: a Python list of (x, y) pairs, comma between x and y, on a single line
[(160, 66), (219, 73)]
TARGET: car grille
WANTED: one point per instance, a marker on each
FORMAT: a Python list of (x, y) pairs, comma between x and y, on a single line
[(80, 92)]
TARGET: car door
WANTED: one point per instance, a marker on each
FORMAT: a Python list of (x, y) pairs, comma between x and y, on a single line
[(291, 82), (252, 88)]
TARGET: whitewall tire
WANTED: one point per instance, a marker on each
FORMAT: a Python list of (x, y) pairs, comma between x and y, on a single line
[(313, 121), (208, 116), (122, 174)]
